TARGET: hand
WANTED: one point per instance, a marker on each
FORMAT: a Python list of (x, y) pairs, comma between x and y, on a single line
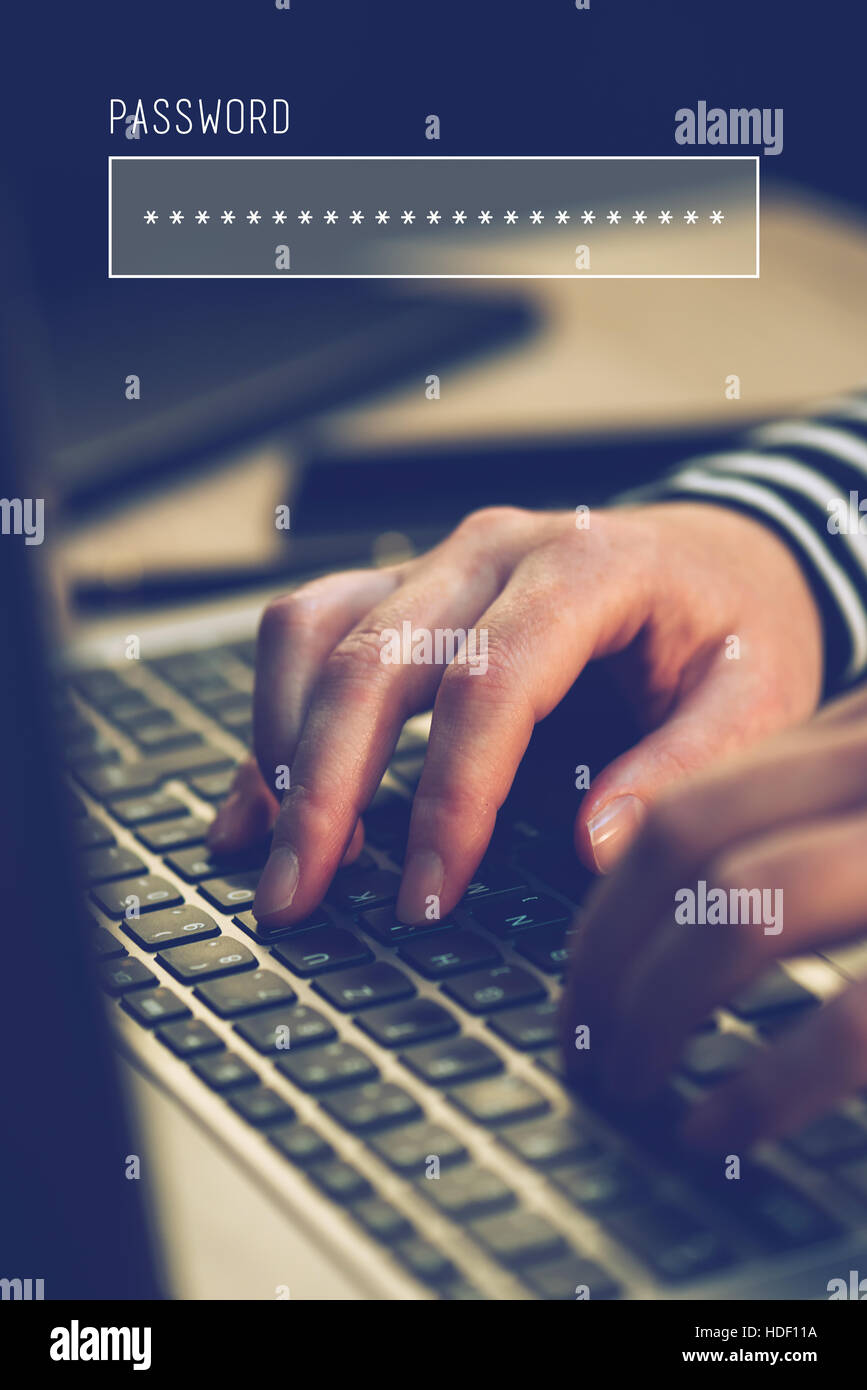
[(791, 818), (662, 590)]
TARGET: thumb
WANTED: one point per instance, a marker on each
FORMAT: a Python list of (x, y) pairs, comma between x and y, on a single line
[(716, 718)]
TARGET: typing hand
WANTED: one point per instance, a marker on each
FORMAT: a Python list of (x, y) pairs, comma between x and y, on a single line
[(789, 818), (663, 590)]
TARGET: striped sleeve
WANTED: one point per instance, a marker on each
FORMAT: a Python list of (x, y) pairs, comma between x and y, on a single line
[(806, 478)]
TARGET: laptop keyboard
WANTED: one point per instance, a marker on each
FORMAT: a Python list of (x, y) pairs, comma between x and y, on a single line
[(431, 1049)]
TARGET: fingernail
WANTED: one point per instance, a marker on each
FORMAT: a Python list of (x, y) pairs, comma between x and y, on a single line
[(278, 884), (612, 829), (423, 877), (224, 825)]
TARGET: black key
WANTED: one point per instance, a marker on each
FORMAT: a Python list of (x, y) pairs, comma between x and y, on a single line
[(121, 706), (212, 786), (130, 779), (194, 865), (410, 1148), (90, 833), (190, 1038), (318, 1069), (241, 994), (356, 890), (414, 1021), (266, 936), (674, 1243), (116, 977), (224, 1072), (467, 1191), (545, 1143), (459, 1059), (492, 877), (776, 992), (99, 687), (712, 1057), (300, 1143), (535, 1025), (98, 753), (831, 1139), (551, 1060), (364, 986), (232, 891), (261, 1106), (372, 1106), (547, 949), (204, 960), (601, 1186), (339, 1181), (152, 1006), (324, 948), (438, 957), (508, 913), (518, 1238), (149, 893), (104, 944), (381, 1220), (103, 865), (500, 1100), (281, 1029), (557, 866), (383, 925), (174, 834), (132, 716), (170, 927), (231, 710), (777, 1211), (570, 1275), (497, 987), (159, 738), (424, 1261), (140, 810)]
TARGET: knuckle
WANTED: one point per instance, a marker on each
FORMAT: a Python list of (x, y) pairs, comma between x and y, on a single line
[(356, 660), (488, 519), (289, 616)]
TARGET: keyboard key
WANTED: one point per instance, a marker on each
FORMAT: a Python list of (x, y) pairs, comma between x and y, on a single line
[(116, 977), (364, 986), (223, 1071), (231, 892), (565, 1278), (424, 1261), (104, 944), (383, 926), (174, 834), (241, 994), (149, 893), (493, 877), (300, 1144), (775, 992), (159, 738), (500, 1100), (130, 779), (103, 865), (354, 890), (319, 1069), (547, 949), (381, 1220), (712, 1057), (497, 987), (189, 1039), (194, 865), (518, 1238), (831, 1139), (281, 1029), (601, 1186), (414, 1021), (410, 1148), (172, 925), (467, 1191), (545, 1143), (99, 687), (260, 1105), (203, 960), (152, 1006), (339, 1181), (212, 786), (459, 1059), (508, 913), (438, 957), (372, 1106), (558, 866), (674, 1243), (535, 1025), (325, 948), (775, 1210), (142, 809), (90, 833)]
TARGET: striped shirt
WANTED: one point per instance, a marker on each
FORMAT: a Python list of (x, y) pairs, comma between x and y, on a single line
[(806, 478)]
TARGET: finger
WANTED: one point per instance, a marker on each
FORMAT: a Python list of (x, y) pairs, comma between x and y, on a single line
[(797, 776), (246, 815), (554, 614), (807, 1071), (790, 892), (360, 705)]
